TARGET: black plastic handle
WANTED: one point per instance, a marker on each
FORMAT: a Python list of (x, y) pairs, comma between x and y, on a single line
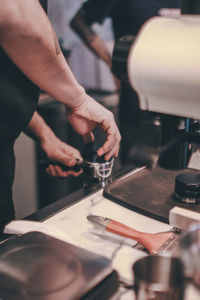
[(45, 164)]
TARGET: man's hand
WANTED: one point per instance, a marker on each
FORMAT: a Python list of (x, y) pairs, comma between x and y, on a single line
[(87, 116), (55, 150), (59, 152)]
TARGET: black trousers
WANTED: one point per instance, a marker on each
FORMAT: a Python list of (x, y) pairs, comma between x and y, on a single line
[(7, 166)]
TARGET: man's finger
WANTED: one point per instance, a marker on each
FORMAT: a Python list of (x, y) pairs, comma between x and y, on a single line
[(88, 138), (111, 146), (65, 159), (74, 174), (60, 172), (51, 171)]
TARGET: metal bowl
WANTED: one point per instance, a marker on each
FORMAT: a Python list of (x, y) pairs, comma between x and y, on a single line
[(94, 166), (158, 278), (190, 253), (100, 171)]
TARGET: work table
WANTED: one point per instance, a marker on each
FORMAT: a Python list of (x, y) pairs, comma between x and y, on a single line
[(69, 217)]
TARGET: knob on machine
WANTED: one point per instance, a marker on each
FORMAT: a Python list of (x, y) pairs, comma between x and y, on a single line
[(187, 187)]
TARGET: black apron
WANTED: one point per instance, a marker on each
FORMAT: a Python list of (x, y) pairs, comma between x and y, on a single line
[(18, 101)]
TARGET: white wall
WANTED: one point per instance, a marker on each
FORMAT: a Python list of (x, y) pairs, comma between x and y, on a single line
[(25, 184)]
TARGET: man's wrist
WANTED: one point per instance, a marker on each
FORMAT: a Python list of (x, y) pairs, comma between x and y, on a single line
[(39, 128), (46, 135), (76, 99)]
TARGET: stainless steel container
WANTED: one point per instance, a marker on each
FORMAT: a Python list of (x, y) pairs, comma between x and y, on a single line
[(100, 171), (190, 253), (158, 278)]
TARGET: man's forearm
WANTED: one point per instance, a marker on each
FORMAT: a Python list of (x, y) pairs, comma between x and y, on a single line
[(38, 129), (27, 37), (98, 46), (93, 41)]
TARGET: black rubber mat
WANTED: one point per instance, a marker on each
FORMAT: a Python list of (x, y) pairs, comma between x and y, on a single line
[(150, 192)]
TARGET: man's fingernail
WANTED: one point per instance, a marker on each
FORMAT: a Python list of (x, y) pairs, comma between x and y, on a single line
[(99, 152)]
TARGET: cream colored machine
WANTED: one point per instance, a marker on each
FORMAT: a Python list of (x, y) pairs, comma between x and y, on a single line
[(164, 66), (163, 63)]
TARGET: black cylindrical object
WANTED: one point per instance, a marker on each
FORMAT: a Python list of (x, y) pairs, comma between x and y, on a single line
[(187, 187), (190, 7), (177, 157), (120, 57)]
